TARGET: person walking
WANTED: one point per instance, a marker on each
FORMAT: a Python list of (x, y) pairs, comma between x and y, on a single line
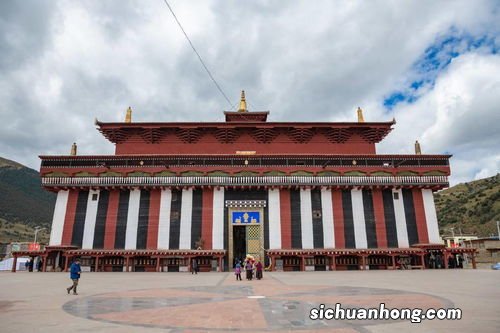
[(194, 266), (74, 274), (237, 271), (258, 268)]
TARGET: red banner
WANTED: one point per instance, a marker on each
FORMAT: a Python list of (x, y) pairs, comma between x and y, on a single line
[(33, 247)]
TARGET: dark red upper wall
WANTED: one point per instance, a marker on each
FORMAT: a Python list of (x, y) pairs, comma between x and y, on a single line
[(228, 138), (208, 144)]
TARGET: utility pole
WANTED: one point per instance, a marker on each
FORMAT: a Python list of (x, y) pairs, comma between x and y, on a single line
[(498, 229), (37, 230)]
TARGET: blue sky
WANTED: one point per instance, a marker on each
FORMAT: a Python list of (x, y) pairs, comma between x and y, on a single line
[(435, 59)]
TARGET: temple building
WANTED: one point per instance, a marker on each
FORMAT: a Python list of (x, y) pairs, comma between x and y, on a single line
[(296, 195)]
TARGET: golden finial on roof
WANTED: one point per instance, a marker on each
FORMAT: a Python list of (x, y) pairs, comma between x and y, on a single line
[(73, 149), (360, 116), (418, 149), (243, 103), (128, 116)]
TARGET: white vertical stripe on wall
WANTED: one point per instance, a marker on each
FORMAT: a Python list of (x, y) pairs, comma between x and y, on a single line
[(164, 219), (58, 218), (90, 217), (431, 217), (306, 219), (186, 219), (399, 212), (132, 219), (218, 220), (327, 215), (358, 217), (274, 219)]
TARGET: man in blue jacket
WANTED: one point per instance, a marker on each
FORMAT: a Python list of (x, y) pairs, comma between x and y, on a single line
[(74, 274)]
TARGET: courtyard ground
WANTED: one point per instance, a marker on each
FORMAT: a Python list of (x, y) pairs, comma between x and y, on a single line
[(215, 302)]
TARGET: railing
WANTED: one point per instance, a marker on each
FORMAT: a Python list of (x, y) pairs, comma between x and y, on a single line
[(237, 181), (260, 161)]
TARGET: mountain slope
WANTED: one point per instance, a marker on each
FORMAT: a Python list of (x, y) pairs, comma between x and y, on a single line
[(24, 204), (472, 208)]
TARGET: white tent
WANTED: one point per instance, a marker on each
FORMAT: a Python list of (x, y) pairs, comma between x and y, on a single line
[(6, 265)]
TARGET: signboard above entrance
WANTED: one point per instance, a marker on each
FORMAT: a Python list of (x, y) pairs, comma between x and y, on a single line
[(245, 218)]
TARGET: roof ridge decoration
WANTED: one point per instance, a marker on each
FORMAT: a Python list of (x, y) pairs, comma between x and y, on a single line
[(243, 103)]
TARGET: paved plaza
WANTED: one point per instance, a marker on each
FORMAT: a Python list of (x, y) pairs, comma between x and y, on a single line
[(215, 302)]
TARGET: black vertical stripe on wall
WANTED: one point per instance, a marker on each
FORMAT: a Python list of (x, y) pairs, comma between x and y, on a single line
[(79, 225), (121, 219), (196, 217), (100, 221), (266, 225), (317, 219), (411, 220), (390, 219), (371, 232), (296, 220), (143, 220), (350, 239), (175, 219)]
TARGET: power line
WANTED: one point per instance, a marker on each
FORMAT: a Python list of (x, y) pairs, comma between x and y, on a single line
[(199, 57)]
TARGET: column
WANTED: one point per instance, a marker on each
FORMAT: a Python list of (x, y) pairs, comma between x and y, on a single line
[(218, 220), (164, 219), (186, 215), (274, 219), (58, 218), (90, 219), (399, 211), (132, 219), (358, 217), (14, 264), (306, 219), (431, 217), (328, 221)]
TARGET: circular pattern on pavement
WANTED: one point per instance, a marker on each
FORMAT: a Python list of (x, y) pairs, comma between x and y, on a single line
[(246, 306)]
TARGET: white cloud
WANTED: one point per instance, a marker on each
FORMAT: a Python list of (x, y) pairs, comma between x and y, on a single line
[(459, 115)]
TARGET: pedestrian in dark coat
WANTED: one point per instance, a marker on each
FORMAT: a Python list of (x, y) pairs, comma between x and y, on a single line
[(74, 274), (258, 268)]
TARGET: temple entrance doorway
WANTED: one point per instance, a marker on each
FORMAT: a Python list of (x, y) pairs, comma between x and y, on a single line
[(245, 229)]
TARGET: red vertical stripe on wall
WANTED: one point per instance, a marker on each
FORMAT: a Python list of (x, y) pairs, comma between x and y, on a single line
[(154, 219), (111, 216), (338, 219), (378, 207), (286, 219), (69, 219), (207, 217), (418, 204)]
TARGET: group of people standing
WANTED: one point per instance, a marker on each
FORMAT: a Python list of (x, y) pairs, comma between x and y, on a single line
[(436, 261), (251, 267), (29, 264)]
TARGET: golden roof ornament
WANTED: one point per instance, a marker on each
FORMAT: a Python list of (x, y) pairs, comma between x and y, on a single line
[(243, 103), (128, 116), (360, 116), (73, 149), (418, 149)]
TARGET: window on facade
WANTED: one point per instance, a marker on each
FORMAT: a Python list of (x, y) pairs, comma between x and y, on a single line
[(396, 195), (94, 197)]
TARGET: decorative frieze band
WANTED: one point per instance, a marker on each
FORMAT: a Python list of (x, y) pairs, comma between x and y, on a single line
[(246, 181), (245, 203)]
